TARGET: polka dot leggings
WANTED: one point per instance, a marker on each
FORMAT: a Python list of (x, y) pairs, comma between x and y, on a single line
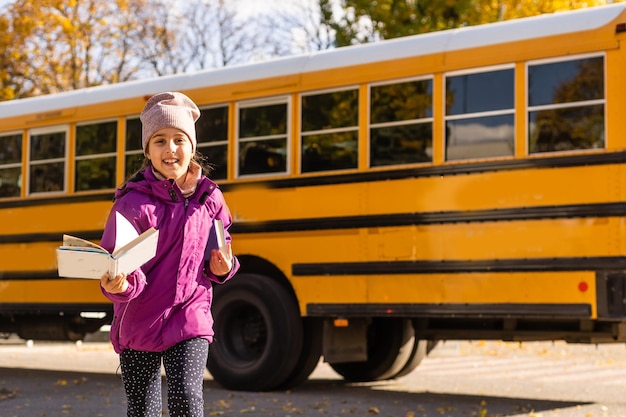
[(184, 371)]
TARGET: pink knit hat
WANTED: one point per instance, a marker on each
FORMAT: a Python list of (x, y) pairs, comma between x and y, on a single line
[(169, 109)]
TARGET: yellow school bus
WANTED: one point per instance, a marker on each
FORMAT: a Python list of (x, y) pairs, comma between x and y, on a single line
[(463, 184)]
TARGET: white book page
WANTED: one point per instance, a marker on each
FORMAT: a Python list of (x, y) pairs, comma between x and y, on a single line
[(78, 243), (125, 232), (134, 255)]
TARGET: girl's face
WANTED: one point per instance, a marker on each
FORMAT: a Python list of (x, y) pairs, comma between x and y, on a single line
[(170, 151)]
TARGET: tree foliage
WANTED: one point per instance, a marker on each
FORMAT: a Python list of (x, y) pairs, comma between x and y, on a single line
[(57, 45), (367, 20), (48, 46)]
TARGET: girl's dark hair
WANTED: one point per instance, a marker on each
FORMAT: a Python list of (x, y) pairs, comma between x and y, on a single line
[(197, 157)]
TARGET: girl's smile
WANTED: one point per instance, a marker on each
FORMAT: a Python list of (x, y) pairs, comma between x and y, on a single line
[(170, 151)]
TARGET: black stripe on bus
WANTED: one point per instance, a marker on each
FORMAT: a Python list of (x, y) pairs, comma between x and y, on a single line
[(29, 275), (605, 158), (608, 263), (599, 263), (379, 220), (60, 200), (441, 217), (55, 308), (451, 310), (49, 237), (462, 168)]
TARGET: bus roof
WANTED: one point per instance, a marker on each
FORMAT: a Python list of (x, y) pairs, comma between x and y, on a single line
[(417, 45)]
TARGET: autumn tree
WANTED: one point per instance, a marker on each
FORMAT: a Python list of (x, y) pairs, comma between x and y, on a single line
[(60, 45), (302, 26), (366, 21), (497, 10), (9, 60), (49, 46)]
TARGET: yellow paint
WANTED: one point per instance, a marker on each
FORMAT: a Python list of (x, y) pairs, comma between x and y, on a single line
[(492, 288), (51, 218), (472, 241), (462, 193), (52, 291), (480, 191)]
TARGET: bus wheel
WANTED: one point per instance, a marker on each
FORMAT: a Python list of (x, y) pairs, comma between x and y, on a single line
[(311, 353), (418, 352), (390, 346), (258, 334)]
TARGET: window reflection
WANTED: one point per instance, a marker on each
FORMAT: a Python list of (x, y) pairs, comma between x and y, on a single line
[(566, 105), (401, 123), (262, 147), (263, 121), (10, 149), (10, 165), (10, 182), (566, 82), (262, 157), (217, 157), (46, 177), (212, 126), (134, 158), (330, 131), (96, 138), (480, 92), (325, 111), (401, 144), (96, 145), (133, 134), (567, 129), (480, 137), (410, 100), (480, 115), (132, 163), (47, 146), (47, 162), (95, 174), (329, 152), (212, 135)]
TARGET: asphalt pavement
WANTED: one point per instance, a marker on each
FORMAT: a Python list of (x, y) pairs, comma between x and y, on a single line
[(458, 379)]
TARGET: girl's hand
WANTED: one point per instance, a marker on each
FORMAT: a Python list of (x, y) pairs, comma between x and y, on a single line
[(116, 285), (219, 264)]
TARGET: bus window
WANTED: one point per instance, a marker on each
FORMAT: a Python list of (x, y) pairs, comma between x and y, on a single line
[(330, 123), (212, 135), (133, 159), (95, 156), (10, 165), (47, 160), (480, 115), (263, 139), (401, 125), (566, 105)]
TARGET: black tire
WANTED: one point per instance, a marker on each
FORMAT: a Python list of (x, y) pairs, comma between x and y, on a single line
[(311, 353), (389, 349), (258, 334), (418, 353)]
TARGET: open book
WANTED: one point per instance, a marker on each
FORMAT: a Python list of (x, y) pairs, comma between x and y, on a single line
[(80, 258)]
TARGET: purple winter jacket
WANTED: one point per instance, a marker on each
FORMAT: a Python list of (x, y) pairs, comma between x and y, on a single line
[(168, 299)]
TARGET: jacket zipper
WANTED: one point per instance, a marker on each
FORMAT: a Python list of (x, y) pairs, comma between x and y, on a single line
[(119, 329)]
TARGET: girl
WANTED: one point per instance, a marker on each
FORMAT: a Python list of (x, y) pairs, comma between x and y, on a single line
[(162, 311)]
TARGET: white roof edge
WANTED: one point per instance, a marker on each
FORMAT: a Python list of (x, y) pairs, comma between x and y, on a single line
[(424, 44)]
